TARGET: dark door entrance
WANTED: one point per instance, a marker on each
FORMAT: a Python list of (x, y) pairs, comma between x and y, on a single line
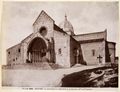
[(37, 49)]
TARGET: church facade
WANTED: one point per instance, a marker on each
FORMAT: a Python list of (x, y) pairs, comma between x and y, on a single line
[(59, 45)]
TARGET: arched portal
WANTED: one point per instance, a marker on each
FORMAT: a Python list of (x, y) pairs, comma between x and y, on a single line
[(36, 50)]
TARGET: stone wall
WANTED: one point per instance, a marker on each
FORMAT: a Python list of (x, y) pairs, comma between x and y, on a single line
[(26, 42), (46, 21), (91, 52), (111, 48), (62, 43), (91, 36), (74, 46), (14, 55), (91, 46)]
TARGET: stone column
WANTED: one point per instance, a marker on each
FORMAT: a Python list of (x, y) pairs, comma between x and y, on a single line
[(29, 56), (33, 57), (77, 56)]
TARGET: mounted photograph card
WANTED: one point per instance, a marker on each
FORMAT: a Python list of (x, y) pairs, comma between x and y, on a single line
[(60, 45)]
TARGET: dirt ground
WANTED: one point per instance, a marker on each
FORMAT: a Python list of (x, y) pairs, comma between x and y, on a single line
[(97, 77), (37, 78)]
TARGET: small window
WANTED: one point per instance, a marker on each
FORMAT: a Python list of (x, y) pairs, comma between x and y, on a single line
[(13, 59), (16, 58), (19, 50), (9, 52), (93, 52), (59, 51)]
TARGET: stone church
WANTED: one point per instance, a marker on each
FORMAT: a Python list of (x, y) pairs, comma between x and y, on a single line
[(59, 45)]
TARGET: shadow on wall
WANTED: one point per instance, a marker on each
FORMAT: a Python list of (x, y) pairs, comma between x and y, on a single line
[(81, 59), (108, 60), (76, 56), (52, 51)]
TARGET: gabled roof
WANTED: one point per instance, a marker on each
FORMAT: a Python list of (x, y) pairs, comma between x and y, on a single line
[(111, 42), (13, 46), (91, 33), (56, 28), (42, 12), (91, 36), (91, 41), (20, 42), (27, 37)]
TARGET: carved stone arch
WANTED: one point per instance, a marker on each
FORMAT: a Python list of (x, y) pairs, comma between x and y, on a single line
[(36, 49)]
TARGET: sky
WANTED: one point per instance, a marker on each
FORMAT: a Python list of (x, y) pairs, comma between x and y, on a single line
[(86, 17)]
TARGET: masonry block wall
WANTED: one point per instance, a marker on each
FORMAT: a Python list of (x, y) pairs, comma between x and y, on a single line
[(93, 47), (62, 49), (92, 51), (14, 55), (44, 20), (74, 47), (111, 48), (91, 36)]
